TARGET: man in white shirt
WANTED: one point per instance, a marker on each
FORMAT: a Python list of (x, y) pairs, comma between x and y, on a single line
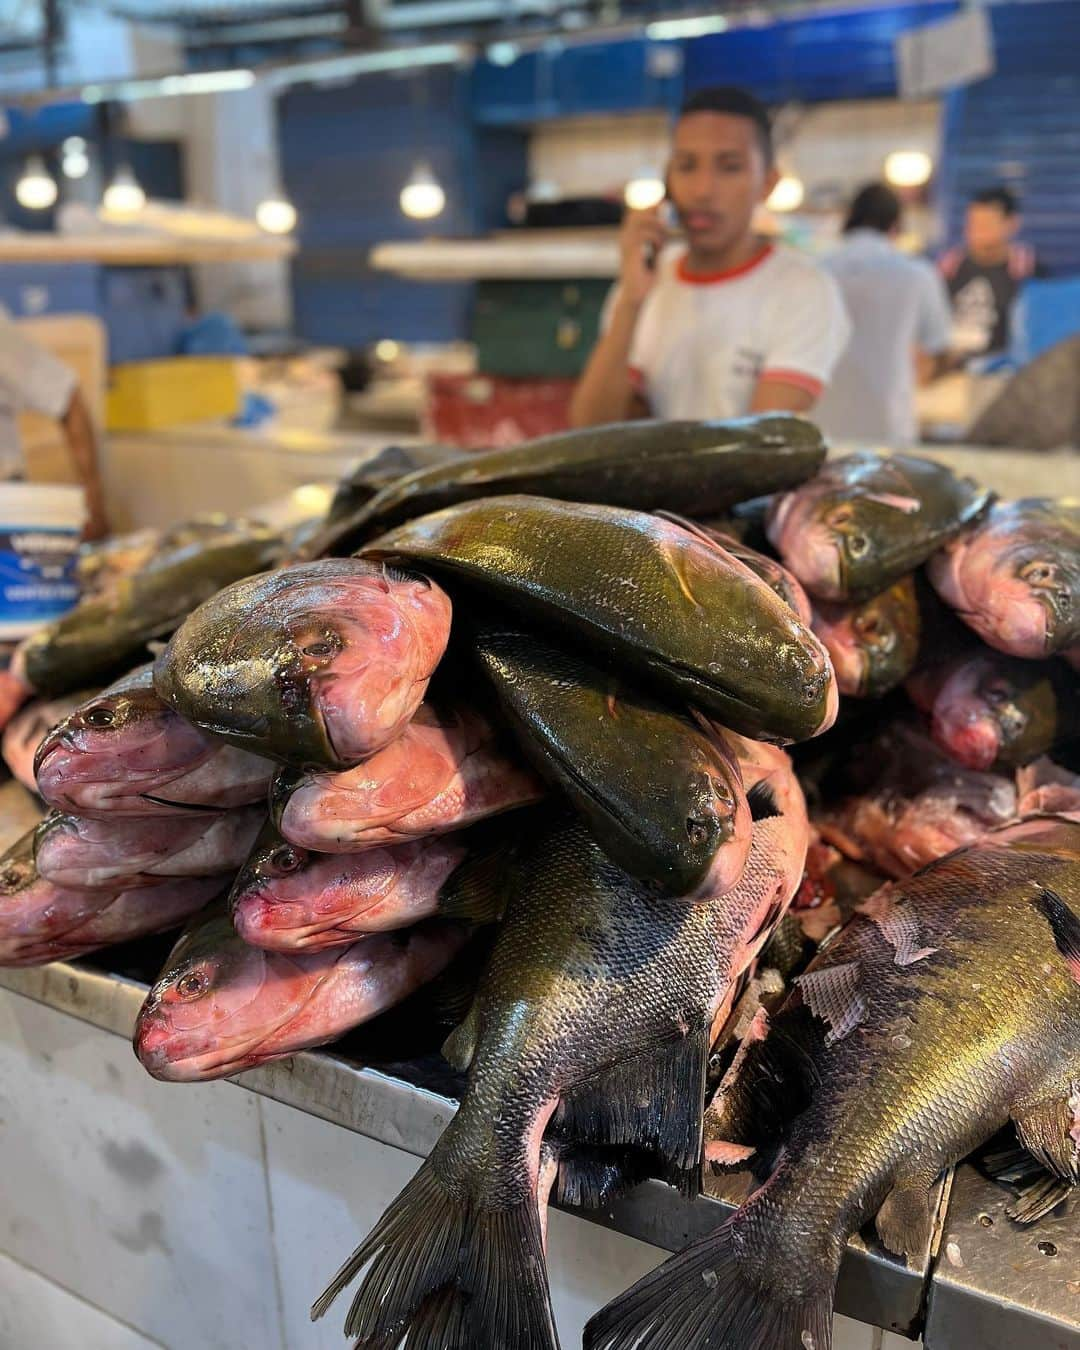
[(899, 310), (726, 323), (32, 378)]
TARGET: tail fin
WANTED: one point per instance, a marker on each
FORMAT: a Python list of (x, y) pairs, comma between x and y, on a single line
[(448, 1274), (701, 1300)]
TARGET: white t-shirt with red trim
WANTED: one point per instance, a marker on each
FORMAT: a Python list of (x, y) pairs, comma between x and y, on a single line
[(702, 343)]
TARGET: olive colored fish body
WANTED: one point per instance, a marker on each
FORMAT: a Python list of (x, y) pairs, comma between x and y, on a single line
[(1000, 710), (663, 798), (597, 1004), (105, 634), (698, 467), (774, 574), (980, 953), (1015, 577), (319, 663), (220, 1006), (873, 645), (866, 520), (645, 595)]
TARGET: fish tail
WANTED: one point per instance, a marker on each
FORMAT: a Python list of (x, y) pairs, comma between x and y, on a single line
[(702, 1299), (449, 1274)]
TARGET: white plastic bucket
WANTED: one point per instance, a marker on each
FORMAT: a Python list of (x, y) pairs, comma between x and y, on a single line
[(40, 525)]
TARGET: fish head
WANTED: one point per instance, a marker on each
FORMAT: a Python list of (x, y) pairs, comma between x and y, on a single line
[(995, 708), (872, 645), (800, 529), (276, 890), (718, 822), (34, 913), (316, 664), (215, 1003)]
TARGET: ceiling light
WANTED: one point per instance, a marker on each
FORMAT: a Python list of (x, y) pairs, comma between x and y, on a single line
[(36, 190), (170, 86), (422, 197), (124, 196), (502, 53), (908, 168), (387, 350), (275, 215), (667, 30), (644, 191), (76, 161), (787, 195)]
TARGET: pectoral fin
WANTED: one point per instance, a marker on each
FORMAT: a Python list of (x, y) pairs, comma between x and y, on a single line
[(1065, 926), (905, 1220), (1050, 1131), (460, 1046)]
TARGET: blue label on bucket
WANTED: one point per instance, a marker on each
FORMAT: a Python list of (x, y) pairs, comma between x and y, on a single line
[(37, 575)]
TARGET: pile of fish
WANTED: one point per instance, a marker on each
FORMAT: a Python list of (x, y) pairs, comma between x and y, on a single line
[(523, 751)]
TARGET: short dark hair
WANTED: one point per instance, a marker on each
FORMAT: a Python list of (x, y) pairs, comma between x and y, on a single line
[(874, 207), (1002, 197), (726, 98)]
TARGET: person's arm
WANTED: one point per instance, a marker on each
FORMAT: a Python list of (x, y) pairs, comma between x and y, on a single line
[(778, 395), (933, 332), (82, 445), (810, 329), (606, 391)]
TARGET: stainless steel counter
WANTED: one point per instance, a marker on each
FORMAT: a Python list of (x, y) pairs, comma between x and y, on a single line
[(983, 1284)]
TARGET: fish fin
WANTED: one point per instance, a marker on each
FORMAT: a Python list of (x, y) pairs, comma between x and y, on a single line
[(762, 801), (590, 1178), (702, 1300), (909, 505), (460, 1046), (1038, 1192), (432, 1251), (904, 1222), (476, 890), (1065, 926), (1050, 1131), (654, 1101), (700, 532)]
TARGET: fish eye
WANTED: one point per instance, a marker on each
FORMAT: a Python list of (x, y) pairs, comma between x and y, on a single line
[(858, 544), (996, 694), (10, 877), (869, 625), (99, 717), (322, 647), (1037, 572), (286, 858), (696, 831), (192, 985)]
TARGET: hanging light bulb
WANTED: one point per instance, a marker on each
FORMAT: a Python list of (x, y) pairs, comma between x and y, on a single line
[(124, 196), (908, 168), (787, 195), (76, 161), (422, 197), (276, 215), (36, 190), (644, 191)]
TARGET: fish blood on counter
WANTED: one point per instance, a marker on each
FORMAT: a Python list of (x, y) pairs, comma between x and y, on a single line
[(321, 663), (851, 1070)]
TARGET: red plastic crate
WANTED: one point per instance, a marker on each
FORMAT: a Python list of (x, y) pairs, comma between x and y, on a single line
[(484, 411)]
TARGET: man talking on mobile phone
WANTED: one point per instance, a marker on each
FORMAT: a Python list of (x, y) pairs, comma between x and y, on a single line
[(722, 322)]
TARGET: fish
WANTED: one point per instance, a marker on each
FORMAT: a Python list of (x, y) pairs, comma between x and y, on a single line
[(662, 795), (391, 464), (1046, 787), (913, 804), (124, 752), (77, 851), (695, 467), (29, 727), (866, 520), (315, 664), (979, 954), (220, 1006), (993, 709), (1015, 577), (42, 922), (448, 768), (873, 645), (287, 898), (104, 635), (595, 1015), (645, 596)]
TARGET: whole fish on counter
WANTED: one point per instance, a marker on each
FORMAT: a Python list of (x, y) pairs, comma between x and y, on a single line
[(595, 1013), (124, 752), (42, 922), (995, 709), (107, 633), (1015, 578), (700, 467), (29, 727), (866, 520), (448, 768), (873, 644), (645, 595), (662, 795), (320, 663), (220, 1006), (289, 899), (78, 851), (979, 953)]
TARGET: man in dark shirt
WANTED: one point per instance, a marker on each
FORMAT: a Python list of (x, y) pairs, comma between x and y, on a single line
[(985, 277)]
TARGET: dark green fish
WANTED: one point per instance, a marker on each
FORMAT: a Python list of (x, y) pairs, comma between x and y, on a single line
[(699, 467), (105, 635), (664, 798), (951, 1004), (873, 644), (645, 596), (866, 520)]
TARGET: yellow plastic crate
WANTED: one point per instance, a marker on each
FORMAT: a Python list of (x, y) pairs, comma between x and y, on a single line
[(151, 395)]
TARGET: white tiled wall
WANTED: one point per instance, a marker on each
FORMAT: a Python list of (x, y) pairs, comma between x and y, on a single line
[(136, 1215)]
